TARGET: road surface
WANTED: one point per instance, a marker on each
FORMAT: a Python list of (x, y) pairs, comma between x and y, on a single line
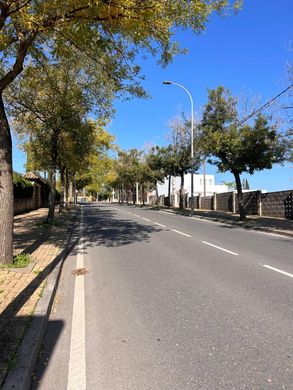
[(170, 302)]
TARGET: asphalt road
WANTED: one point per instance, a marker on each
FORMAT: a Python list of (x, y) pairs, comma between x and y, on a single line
[(170, 302)]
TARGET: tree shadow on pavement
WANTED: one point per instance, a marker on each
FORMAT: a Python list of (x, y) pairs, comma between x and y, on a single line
[(22, 361), (12, 325), (104, 228)]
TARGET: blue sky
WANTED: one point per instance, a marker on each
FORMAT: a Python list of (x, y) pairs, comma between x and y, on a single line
[(246, 53)]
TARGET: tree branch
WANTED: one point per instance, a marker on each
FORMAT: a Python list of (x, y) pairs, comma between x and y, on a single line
[(18, 63)]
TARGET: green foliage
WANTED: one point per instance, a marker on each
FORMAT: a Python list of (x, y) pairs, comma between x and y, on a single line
[(23, 188), (109, 33), (246, 148), (21, 260), (238, 148), (230, 184), (245, 184)]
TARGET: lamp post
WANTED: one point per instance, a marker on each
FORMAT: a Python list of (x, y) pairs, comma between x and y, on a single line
[(192, 122)]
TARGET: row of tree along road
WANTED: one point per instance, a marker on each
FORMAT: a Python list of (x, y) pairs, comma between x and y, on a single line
[(64, 61), (219, 137)]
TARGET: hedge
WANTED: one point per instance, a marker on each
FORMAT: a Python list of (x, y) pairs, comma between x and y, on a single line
[(23, 188)]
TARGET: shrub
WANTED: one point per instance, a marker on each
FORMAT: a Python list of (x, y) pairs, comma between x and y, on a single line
[(22, 188)]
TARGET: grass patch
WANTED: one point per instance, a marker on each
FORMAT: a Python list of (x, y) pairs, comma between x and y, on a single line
[(21, 260), (46, 225)]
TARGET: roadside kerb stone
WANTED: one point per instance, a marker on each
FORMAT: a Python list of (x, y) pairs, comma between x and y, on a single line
[(265, 224)]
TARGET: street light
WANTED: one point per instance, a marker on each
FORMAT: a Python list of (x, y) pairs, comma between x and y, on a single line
[(192, 121)]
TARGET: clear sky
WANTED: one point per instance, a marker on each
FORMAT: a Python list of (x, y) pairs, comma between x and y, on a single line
[(246, 53)]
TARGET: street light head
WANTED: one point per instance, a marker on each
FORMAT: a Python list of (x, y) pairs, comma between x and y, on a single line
[(167, 82)]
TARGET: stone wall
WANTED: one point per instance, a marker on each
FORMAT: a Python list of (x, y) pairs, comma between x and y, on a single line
[(27, 204), (207, 203), (272, 204), (225, 201), (277, 204), (250, 202)]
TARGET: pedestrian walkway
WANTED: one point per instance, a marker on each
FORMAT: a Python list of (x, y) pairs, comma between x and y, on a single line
[(20, 289)]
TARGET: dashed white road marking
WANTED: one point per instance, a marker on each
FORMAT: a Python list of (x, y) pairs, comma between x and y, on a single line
[(77, 366), (137, 216), (278, 270), (159, 224), (221, 249), (183, 234), (146, 219)]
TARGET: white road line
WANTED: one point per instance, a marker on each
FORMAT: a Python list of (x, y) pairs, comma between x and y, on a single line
[(159, 224), (278, 270), (183, 234), (167, 212), (146, 219), (77, 365), (138, 216), (222, 249)]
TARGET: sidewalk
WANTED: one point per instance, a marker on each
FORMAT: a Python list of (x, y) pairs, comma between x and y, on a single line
[(20, 289)]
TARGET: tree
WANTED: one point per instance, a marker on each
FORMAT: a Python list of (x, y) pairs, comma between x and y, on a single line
[(245, 184), (180, 152), (98, 168), (128, 171), (147, 177), (109, 33), (230, 184), (49, 106), (157, 162), (238, 149)]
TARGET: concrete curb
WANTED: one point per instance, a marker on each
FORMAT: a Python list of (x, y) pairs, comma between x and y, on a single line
[(19, 377), (227, 221)]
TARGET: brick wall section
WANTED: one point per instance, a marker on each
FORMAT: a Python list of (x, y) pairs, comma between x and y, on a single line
[(28, 204), (207, 203), (225, 201), (272, 204), (21, 205), (250, 200), (278, 204)]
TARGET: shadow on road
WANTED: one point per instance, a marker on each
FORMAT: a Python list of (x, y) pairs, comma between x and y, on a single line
[(53, 332), (104, 227)]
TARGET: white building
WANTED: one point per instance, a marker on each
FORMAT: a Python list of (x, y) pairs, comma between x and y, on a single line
[(198, 186)]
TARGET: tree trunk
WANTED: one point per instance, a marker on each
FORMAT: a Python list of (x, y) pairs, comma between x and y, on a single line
[(54, 157), (6, 189), (62, 193), (242, 209), (74, 192), (133, 195), (169, 191), (181, 191), (52, 182), (157, 195), (143, 200), (66, 188)]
